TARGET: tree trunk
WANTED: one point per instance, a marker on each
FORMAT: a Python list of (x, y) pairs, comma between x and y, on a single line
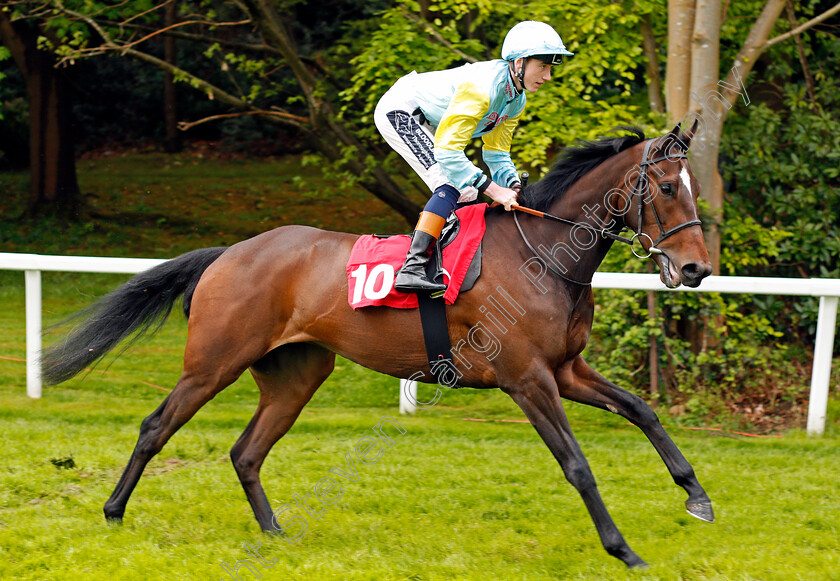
[(678, 73), (803, 59), (424, 9), (710, 101), (705, 72), (713, 103), (172, 142), (652, 65), (53, 184), (658, 106)]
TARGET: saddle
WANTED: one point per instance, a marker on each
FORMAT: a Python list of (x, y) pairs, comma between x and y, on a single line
[(375, 259)]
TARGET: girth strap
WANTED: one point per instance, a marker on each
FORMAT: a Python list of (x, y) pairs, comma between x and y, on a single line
[(436, 338)]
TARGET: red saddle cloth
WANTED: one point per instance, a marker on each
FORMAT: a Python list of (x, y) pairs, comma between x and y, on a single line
[(374, 262)]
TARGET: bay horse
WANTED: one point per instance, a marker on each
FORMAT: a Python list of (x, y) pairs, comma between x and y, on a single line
[(277, 305)]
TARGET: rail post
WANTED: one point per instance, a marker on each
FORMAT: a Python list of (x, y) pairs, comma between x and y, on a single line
[(821, 371), (33, 333), (408, 387)]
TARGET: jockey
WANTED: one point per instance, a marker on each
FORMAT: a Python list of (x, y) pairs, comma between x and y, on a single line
[(430, 118)]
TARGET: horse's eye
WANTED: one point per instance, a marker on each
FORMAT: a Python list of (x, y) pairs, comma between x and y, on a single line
[(667, 189)]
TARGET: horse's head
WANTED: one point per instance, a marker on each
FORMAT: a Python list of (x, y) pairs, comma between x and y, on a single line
[(646, 185), (663, 209)]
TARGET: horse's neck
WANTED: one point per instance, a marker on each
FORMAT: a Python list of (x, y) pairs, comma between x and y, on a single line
[(575, 250), (586, 203)]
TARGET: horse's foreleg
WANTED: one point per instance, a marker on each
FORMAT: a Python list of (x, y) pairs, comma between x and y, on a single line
[(189, 395), (545, 411), (287, 378), (579, 382)]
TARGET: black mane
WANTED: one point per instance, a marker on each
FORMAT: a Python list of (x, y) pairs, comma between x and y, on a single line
[(572, 163)]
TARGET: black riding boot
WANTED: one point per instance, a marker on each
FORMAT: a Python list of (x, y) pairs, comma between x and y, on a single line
[(412, 276)]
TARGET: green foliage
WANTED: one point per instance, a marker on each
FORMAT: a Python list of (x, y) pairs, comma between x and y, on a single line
[(396, 48), (785, 190), (588, 96), (748, 244), (780, 155), (749, 354), (4, 55), (774, 184), (747, 358)]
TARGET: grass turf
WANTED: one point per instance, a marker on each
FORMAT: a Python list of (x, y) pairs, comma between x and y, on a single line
[(451, 499)]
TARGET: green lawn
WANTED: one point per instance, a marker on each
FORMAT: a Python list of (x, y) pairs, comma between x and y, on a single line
[(452, 499)]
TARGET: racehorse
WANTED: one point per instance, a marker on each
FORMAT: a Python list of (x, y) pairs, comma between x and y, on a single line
[(277, 305)]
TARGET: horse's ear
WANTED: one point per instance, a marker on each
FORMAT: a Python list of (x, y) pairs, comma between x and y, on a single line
[(679, 139), (686, 136)]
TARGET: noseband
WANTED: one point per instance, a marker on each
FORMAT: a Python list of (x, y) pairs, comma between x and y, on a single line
[(640, 188)]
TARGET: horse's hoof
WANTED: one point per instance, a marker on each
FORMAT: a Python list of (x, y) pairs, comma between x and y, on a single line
[(700, 509), (274, 532), (630, 558), (113, 516)]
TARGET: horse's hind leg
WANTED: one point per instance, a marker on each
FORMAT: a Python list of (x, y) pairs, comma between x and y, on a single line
[(287, 377), (543, 407), (579, 382), (193, 390)]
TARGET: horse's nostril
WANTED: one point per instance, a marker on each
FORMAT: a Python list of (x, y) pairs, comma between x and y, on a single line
[(691, 270), (694, 271)]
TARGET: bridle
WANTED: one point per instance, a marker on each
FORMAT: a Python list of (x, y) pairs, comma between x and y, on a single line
[(640, 189)]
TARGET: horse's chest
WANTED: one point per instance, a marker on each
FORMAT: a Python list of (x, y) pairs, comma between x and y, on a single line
[(580, 326), (571, 331)]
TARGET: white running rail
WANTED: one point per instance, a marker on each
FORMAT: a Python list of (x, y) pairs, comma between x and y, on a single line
[(827, 289)]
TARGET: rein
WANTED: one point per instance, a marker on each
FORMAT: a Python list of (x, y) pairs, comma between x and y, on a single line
[(639, 189)]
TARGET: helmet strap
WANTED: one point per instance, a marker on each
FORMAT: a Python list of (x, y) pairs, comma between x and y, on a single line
[(519, 74)]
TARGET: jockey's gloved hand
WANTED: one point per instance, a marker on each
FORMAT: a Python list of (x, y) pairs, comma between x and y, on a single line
[(505, 196)]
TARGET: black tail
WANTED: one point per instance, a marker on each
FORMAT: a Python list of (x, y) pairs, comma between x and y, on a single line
[(136, 305)]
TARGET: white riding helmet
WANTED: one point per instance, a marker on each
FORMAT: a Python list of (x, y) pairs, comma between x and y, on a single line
[(534, 39)]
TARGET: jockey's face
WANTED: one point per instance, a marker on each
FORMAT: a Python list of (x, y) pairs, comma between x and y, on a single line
[(536, 73)]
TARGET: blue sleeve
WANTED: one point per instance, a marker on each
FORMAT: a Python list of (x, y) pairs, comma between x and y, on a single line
[(459, 170), (501, 167)]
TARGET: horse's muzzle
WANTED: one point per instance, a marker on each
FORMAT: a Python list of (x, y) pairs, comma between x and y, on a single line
[(693, 273), (690, 274)]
